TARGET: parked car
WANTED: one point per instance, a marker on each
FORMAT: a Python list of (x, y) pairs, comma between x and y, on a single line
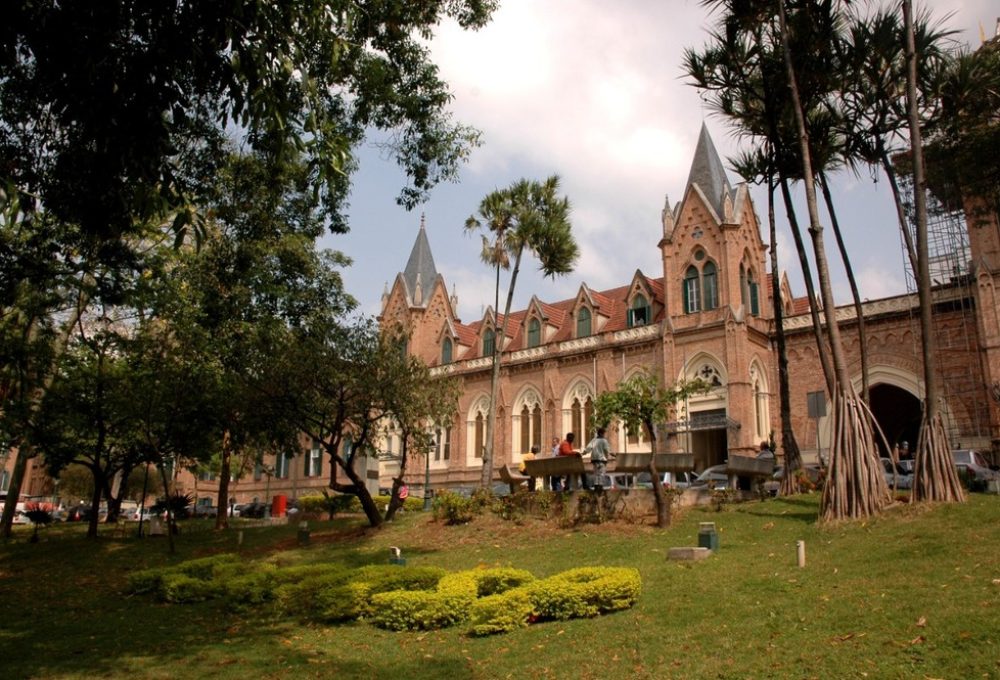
[(145, 514), (715, 477), (896, 476), (205, 511), (812, 471), (973, 466)]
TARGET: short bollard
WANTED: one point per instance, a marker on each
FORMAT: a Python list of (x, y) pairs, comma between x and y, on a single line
[(303, 533), (239, 537), (707, 536), (800, 548)]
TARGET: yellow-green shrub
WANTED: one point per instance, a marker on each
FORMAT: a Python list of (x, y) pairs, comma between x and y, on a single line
[(425, 609), (206, 567), (500, 579), (250, 589), (501, 613), (585, 592), (145, 581), (178, 588)]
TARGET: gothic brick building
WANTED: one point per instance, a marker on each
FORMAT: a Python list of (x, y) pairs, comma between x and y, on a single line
[(708, 313)]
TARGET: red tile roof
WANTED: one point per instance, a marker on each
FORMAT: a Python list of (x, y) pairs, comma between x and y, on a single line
[(612, 303)]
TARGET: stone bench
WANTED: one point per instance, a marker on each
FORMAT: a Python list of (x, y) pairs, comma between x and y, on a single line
[(749, 466), (512, 478), (558, 466), (665, 462)]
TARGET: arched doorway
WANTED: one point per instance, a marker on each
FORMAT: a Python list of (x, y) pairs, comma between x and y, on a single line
[(897, 412)]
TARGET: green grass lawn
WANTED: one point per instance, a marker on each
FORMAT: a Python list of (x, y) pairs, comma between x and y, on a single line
[(914, 594)]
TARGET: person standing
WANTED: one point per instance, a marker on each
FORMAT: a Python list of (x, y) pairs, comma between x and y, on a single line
[(555, 483), (526, 457), (600, 451), (566, 449)]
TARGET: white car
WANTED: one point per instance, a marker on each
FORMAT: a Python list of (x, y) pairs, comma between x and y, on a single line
[(973, 463)]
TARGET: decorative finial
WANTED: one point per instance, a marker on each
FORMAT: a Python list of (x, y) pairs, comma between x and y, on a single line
[(422, 216)]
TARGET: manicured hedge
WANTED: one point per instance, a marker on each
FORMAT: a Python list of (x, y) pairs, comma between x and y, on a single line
[(494, 600)]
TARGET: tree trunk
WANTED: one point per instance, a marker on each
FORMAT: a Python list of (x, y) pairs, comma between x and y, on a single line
[(486, 474), (800, 249), (395, 502), (171, 520), (222, 500), (858, 486), (849, 269), (935, 477), (357, 485), (488, 457), (789, 445), (662, 502), (890, 173), (24, 454)]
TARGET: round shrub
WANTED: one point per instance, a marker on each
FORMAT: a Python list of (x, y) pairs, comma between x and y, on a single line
[(445, 606), (500, 579), (585, 592), (181, 588), (501, 613)]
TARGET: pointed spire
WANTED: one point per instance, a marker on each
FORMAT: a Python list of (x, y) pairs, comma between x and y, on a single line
[(385, 294), (708, 172), (454, 300), (667, 217), (420, 269)]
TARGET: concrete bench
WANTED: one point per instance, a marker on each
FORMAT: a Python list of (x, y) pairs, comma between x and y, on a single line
[(665, 462), (512, 478), (749, 466), (559, 466)]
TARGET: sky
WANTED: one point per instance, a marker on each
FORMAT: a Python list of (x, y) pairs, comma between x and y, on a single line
[(593, 92)]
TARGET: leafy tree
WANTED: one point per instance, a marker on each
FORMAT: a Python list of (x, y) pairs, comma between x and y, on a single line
[(114, 114), (640, 403), (527, 216), (340, 383)]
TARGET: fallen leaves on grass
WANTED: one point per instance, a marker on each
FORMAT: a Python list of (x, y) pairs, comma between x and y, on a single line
[(921, 622)]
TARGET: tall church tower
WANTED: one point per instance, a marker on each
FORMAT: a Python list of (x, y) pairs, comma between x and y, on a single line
[(419, 300), (718, 309)]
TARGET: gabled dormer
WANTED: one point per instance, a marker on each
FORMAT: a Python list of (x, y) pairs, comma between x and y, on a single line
[(590, 312), (641, 305)]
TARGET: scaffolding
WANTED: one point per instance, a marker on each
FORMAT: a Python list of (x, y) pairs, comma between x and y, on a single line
[(954, 312)]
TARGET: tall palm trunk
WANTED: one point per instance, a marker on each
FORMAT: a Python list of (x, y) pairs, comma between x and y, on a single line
[(800, 249), (488, 458), (849, 269), (789, 445), (856, 486), (486, 474), (935, 476)]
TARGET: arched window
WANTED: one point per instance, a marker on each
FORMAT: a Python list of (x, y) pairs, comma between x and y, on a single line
[(534, 333), (743, 286), (583, 323), (525, 429), (710, 285), (639, 312), (754, 294), (480, 439), (692, 292), (446, 351), (581, 415), (536, 426), (489, 342)]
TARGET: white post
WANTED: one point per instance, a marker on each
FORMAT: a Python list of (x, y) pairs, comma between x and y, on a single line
[(801, 548)]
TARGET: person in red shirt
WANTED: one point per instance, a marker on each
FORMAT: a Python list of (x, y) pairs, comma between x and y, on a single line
[(566, 449)]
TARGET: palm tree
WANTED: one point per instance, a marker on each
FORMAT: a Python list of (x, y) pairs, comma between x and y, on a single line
[(875, 118), (935, 475), (528, 215), (856, 485)]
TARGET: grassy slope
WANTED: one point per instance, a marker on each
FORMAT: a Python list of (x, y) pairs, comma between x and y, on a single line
[(913, 594)]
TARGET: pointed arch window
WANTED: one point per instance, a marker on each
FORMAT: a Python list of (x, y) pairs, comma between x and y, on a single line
[(743, 286), (583, 323), (639, 311), (581, 414), (480, 437), (710, 285), (754, 292), (534, 332), (692, 291), (446, 348), (489, 342)]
